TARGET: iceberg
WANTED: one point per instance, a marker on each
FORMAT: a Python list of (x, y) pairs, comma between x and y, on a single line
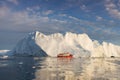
[(4, 52), (28, 47), (79, 45)]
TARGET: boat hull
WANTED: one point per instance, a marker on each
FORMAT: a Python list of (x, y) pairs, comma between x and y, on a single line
[(65, 55)]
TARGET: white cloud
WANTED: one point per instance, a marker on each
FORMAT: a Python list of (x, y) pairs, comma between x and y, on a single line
[(59, 21), (99, 18), (84, 8), (23, 21), (74, 18), (112, 9), (33, 9), (47, 12), (29, 9), (19, 21), (13, 1), (45, 19)]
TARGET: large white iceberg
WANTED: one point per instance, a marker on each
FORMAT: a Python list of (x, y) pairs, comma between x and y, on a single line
[(80, 45)]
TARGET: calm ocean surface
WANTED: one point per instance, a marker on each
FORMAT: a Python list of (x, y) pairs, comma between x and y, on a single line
[(46, 68)]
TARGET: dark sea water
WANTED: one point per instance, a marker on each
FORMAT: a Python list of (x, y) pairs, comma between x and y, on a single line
[(46, 68)]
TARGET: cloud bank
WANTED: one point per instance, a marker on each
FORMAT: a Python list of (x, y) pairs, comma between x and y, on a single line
[(112, 8)]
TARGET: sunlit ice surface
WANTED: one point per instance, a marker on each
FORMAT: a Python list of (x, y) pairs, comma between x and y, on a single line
[(47, 68)]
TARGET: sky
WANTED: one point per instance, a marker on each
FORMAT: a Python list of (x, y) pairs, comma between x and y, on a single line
[(100, 19)]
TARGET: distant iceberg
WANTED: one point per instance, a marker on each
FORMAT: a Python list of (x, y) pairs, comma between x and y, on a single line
[(4, 52), (80, 45)]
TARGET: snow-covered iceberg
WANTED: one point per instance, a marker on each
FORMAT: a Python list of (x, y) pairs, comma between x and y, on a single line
[(80, 45), (28, 47), (4, 52)]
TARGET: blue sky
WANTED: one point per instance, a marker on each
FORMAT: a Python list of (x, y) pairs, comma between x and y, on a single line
[(98, 18)]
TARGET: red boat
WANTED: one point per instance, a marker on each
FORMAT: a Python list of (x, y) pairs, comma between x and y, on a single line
[(64, 55)]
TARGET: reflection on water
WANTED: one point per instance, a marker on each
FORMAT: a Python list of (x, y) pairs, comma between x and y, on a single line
[(78, 69), (30, 68)]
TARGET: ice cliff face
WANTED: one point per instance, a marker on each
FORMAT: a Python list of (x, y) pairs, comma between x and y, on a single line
[(80, 45), (28, 47)]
